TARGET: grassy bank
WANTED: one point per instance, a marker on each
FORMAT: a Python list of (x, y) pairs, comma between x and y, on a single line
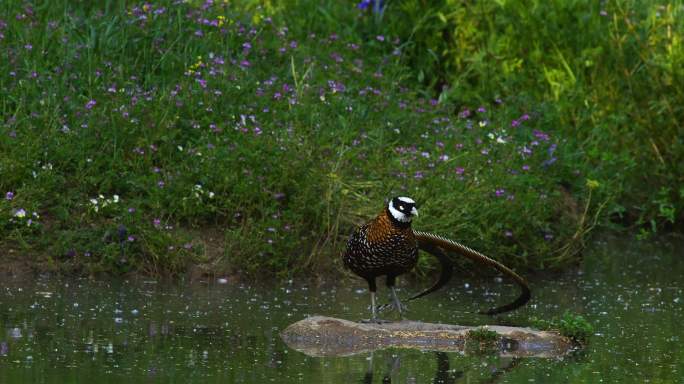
[(248, 139), (611, 72)]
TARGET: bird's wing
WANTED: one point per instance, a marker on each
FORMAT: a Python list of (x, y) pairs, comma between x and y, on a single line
[(439, 246)]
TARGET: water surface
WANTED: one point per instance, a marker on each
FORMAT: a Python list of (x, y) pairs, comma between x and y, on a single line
[(57, 330)]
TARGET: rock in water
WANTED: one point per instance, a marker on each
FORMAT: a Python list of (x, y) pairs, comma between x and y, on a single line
[(327, 336)]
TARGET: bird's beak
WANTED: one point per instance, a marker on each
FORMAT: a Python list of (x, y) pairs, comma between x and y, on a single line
[(414, 211)]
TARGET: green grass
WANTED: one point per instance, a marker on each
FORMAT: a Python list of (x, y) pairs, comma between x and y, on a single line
[(252, 139), (610, 74)]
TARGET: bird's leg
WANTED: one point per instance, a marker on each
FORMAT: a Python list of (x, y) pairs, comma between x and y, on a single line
[(374, 312), (397, 303)]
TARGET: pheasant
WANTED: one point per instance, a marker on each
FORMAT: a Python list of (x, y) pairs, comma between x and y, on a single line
[(388, 246), (385, 246)]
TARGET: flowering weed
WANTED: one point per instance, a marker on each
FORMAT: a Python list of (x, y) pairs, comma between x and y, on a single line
[(276, 128)]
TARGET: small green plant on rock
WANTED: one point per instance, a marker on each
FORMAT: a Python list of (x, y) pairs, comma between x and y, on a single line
[(570, 325), (482, 334), (484, 340)]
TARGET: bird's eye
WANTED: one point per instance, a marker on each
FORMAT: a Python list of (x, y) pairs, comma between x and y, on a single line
[(401, 207)]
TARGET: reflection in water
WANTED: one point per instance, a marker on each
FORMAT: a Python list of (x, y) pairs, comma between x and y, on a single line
[(443, 373), (78, 330), (391, 367)]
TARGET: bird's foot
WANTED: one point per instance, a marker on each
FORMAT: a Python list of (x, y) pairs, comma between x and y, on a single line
[(401, 308)]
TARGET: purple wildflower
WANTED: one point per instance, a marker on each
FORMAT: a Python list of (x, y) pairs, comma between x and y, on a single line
[(499, 192), (552, 149), (364, 4), (9, 195), (375, 5), (541, 135), (90, 104), (336, 86), (20, 213)]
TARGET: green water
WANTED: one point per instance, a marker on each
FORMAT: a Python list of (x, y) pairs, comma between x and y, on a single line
[(83, 331)]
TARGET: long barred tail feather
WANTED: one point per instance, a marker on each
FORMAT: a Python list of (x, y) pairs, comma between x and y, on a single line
[(440, 246)]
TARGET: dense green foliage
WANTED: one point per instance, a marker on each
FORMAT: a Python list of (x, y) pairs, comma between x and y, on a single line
[(253, 138), (612, 73)]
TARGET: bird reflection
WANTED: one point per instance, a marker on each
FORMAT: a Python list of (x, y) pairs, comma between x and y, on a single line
[(392, 367), (443, 375)]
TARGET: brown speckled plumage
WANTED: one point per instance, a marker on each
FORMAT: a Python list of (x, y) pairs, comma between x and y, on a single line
[(381, 248), (385, 246), (388, 246)]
